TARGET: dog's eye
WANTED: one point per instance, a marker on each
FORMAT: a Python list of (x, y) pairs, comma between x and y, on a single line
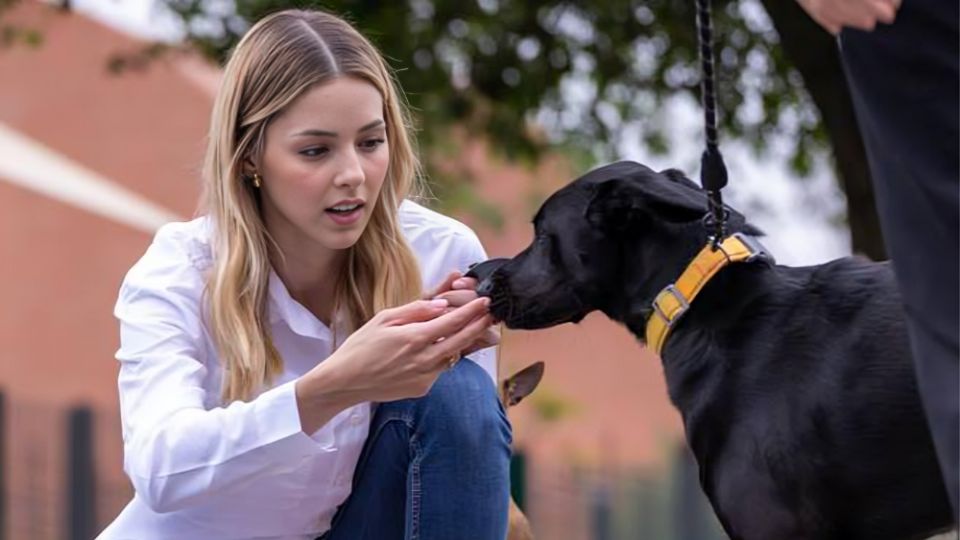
[(550, 244), (542, 241)]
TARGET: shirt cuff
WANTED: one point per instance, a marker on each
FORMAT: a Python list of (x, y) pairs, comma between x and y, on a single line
[(279, 417)]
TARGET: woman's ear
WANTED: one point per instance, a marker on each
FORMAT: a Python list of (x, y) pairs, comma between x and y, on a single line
[(249, 166)]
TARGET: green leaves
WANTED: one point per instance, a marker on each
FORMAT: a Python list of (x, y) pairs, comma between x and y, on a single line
[(556, 74), (11, 35), (581, 70)]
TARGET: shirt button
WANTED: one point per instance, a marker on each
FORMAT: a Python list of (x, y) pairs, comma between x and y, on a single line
[(356, 419), (341, 480)]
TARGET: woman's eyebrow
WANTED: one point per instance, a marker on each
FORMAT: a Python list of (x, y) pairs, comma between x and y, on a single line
[(323, 133)]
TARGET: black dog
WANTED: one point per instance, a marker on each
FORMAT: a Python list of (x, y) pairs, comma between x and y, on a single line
[(795, 384)]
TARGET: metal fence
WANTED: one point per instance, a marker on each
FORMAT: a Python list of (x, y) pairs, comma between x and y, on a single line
[(61, 471), (61, 478), (597, 503)]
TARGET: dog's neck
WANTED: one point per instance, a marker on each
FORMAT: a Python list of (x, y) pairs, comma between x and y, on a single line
[(649, 263), (634, 304), (692, 348)]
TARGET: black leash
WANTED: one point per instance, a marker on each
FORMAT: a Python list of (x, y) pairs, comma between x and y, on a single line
[(713, 172)]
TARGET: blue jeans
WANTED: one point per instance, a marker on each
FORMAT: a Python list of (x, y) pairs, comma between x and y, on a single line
[(436, 467)]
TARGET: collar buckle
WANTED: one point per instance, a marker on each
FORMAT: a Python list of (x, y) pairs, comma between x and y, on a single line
[(757, 250), (682, 305)]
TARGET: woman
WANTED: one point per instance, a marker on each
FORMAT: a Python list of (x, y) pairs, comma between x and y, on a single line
[(256, 339)]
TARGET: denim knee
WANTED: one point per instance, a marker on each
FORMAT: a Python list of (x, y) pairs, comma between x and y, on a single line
[(463, 405)]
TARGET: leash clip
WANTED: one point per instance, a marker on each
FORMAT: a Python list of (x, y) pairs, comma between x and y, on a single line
[(716, 229), (682, 302)]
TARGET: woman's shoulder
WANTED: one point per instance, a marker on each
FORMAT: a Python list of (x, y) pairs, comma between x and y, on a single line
[(440, 242), (179, 253), (418, 221), (164, 289)]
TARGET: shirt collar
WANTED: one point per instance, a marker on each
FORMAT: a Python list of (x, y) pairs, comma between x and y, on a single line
[(284, 308)]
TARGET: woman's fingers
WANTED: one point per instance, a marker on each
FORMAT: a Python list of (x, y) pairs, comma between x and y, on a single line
[(443, 286), (457, 344), (454, 282), (451, 322), (464, 283), (885, 10), (458, 298), (862, 14), (417, 311), (489, 338)]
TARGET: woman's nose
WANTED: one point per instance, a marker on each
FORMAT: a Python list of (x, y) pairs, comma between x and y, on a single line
[(350, 171)]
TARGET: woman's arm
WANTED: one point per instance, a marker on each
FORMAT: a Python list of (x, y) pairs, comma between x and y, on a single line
[(398, 354), (178, 447)]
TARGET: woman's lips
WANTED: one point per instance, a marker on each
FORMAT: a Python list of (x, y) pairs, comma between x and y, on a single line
[(346, 218)]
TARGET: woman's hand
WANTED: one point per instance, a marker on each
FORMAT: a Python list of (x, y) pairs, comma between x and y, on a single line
[(459, 291), (833, 15), (397, 354)]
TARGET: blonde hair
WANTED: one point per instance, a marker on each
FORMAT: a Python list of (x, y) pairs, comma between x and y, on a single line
[(275, 62)]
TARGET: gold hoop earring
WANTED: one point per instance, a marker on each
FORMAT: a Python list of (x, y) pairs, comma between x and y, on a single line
[(256, 180)]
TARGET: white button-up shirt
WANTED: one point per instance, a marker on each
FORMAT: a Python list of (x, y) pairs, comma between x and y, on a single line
[(201, 470)]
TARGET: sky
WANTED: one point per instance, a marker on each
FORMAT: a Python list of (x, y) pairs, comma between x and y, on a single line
[(799, 217), (142, 18)]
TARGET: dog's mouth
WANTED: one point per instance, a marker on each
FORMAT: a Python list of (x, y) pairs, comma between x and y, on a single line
[(522, 312), (537, 322)]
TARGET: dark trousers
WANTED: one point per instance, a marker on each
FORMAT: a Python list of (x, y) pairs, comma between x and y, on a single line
[(904, 82)]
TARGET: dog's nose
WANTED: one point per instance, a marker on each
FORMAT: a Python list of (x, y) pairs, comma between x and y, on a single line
[(485, 288), (483, 272)]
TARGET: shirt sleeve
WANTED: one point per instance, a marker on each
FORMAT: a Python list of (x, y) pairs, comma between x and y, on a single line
[(175, 449)]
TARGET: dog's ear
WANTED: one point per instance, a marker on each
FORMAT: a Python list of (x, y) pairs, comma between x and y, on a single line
[(521, 384), (612, 207), (618, 202), (677, 176), (677, 200), (737, 221)]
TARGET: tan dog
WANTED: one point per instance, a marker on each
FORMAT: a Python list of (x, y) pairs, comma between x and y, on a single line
[(512, 390)]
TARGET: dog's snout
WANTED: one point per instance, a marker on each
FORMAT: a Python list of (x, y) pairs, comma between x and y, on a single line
[(485, 288), (484, 274)]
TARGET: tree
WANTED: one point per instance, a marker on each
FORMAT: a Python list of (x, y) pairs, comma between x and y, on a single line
[(504, 69)]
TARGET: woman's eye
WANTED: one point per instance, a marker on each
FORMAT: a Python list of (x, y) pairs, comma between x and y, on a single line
[(314, 152), (372, 144)]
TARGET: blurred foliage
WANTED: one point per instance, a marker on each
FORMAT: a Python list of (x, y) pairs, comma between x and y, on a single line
[(11, 34), (549, 406), (529, 76), (586, 80)]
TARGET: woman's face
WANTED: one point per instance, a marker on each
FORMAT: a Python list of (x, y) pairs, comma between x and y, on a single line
[(324, 162)]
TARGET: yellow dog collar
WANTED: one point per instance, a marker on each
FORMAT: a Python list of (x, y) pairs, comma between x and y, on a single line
[(673, 301)]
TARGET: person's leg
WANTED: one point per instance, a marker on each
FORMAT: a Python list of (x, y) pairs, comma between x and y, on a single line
[(904, 83), (437, 467)]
